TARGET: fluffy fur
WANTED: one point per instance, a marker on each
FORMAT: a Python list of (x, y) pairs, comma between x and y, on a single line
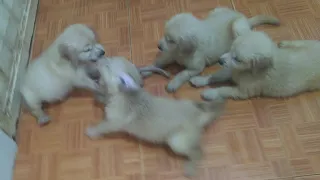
[(130, 109), (61, 67), (126, 66), (195, 43), (259, 67)]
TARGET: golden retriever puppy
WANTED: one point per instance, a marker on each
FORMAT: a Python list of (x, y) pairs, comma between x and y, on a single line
[(61, 67), (130, 109), (259, 67), (195, 43), (126, 66)]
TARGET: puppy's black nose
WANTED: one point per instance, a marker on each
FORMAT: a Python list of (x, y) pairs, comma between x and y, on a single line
[(221, 62), (159, 47), (102, 53)]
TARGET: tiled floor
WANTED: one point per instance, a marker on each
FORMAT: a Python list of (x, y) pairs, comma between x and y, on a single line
[(254, 140)]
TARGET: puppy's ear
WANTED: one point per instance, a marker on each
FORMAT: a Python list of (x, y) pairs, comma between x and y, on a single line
[(240, 27), (127, 83), (67, 52), (64, 51), (259, 64), (187, 44)]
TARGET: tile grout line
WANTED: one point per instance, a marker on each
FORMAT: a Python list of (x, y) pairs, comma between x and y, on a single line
[(233, 5), (142, 170), (295, 176), (130, 29), (142, 162)]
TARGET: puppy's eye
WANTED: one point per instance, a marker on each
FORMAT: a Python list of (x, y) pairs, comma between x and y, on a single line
[(87, 49)]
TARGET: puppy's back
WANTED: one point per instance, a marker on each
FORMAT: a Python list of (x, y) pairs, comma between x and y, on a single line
[(157, 117)]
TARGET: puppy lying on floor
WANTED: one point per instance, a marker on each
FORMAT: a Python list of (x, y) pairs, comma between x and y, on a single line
[(195, 43), (130, 109), (126, 66), (259, 68), (61, 67)]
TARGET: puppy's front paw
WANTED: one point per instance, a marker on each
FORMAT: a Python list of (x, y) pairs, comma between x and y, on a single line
[(210, 94), (172, 87), (92, 133), (44, 120), (283, 44), (199, 81)]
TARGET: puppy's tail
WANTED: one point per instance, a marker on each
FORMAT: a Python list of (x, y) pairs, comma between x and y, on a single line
[(211, 110), (263, 19), (155, 69)]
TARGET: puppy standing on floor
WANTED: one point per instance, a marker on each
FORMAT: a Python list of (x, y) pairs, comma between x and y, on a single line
[(259, 68), (195, 43), (61, 67), (130, 109)]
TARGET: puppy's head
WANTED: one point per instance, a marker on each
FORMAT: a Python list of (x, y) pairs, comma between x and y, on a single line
[(180, 34), (251, 50), (118, 75), (79, 44)]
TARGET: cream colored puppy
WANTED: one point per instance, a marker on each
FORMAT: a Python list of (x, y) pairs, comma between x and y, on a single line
[(124, 65), (60, 68), (130, 109), (195, 43), (259, 67)]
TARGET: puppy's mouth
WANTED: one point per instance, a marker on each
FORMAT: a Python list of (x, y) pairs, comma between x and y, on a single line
[(95, 76)]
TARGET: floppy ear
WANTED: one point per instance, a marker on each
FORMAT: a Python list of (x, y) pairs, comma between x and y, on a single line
[(261, 63), (127, 84), (240, 27), (187, 43), (64, 51), (67, 52)]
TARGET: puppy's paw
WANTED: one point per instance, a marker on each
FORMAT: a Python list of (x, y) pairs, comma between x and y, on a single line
[(100, 98), (189, 169), (172, 87), (283, 44), (210, 94), (199, 81), (44, 120), (92, 133)]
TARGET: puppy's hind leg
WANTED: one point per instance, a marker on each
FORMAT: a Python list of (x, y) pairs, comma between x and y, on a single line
[(34, 105), (188, 144)]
